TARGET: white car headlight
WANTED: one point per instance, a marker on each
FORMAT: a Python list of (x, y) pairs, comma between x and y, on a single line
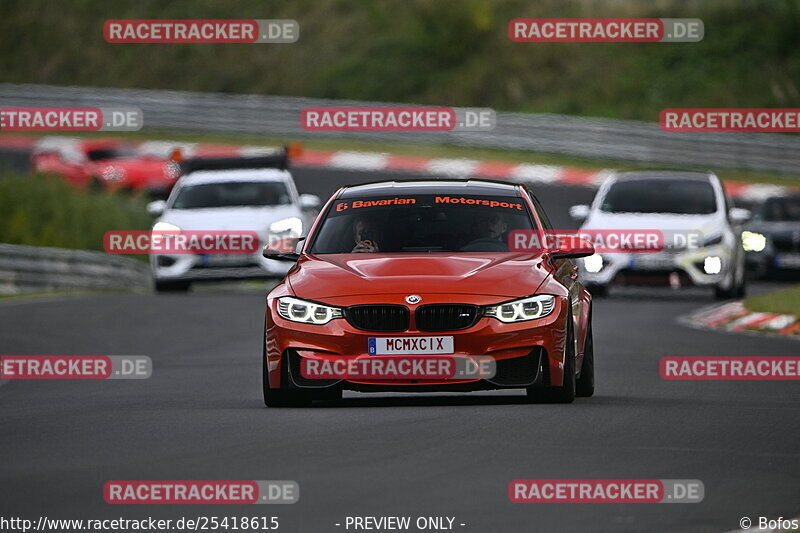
[(292, 227), (306, 312), (520, 310), (712, 265), (165, 226), (753, 242)]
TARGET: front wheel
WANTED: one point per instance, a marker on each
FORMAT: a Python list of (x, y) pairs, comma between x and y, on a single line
[(172, 286), (565, 393), (597, 291), (282, 397), (584, 385)]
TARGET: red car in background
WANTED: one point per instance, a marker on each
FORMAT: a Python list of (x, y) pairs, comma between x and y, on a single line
[(105, 164), (425, 265)]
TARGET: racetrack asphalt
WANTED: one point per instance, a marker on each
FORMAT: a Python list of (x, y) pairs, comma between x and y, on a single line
[(200, 416)]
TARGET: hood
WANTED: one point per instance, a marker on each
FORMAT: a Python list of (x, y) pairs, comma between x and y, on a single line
[(255, 219), (332, 275)]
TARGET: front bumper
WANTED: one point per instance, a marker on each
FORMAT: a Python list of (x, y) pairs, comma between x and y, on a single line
[(194, 267), (657, 268), (525, 353)]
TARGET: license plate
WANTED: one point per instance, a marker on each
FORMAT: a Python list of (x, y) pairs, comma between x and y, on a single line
[(788, 260), (653, 262), (225, 259), (410, 345)]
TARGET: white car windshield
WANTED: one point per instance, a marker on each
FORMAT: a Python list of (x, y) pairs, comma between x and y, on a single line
[(232, 194), (678, 196)]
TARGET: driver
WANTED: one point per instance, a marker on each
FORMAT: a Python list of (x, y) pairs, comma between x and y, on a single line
[(491, 227), (487, 233), (365, 235)]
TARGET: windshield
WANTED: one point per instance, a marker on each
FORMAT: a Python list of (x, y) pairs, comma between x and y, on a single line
[(110, 153), (421, 223), (232, 194), (780, 210), (679, 196)]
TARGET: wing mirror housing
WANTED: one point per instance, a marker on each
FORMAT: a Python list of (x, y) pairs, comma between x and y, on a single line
[(584, 250), (739, 215), (579, 213), (157, 207), (310, 201), (283, 249)]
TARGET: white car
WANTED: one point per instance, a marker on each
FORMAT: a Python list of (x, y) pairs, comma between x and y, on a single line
[(675, 203), (261, 199)]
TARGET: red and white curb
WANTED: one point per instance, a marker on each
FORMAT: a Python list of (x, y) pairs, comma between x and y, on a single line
[(734, 317), (377, 161)]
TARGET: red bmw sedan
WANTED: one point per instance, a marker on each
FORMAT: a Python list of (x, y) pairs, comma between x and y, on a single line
[(420, 270)]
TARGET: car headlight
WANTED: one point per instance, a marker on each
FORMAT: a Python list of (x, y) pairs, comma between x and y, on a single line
[(520, 310), (753, 242), (712, 265), (306, 312), (165, 226), (113, 174), (291, 226)]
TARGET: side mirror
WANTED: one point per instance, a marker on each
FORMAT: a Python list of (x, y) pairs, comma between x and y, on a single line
[(283, 249), (739, 215), (573, 253), (156, 208), (579, 213), (310, 201)]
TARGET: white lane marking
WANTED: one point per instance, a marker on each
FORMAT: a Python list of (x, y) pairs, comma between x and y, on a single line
[(537, 173), (253, 151), (359, 160), (163, 149), (762, 191), (453, 167)]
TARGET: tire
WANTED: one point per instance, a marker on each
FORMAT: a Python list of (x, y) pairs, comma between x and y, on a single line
[(172, 286), (741, 291), (597, 291), (282, 397), (584, 385), (566, 392), (735, 291)]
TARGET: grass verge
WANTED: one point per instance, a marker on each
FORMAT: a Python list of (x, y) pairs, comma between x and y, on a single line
[(46, 211), (784, 301)]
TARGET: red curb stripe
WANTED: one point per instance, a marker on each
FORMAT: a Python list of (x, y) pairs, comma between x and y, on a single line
[(791, 329), (21, 142), (755, 322), (314, 158), (411, 163), (495, 169), (577, 176), (727, 318)]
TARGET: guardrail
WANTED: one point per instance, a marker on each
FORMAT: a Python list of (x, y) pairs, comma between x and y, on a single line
[(577, 136), (35, 268)]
